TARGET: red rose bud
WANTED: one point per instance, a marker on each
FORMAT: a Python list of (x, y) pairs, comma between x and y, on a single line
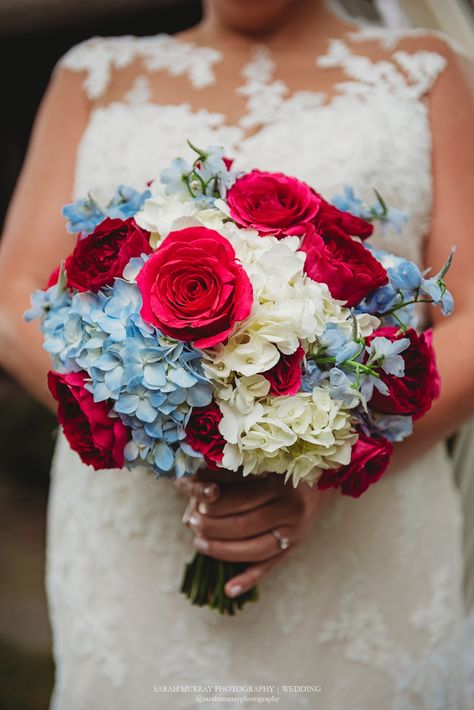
[(193, 288), (332, 221), (98, 438), (101, 257), (412, 394), (285, 376), (203, 435), (344, 264), (272, 203), (369, 461)]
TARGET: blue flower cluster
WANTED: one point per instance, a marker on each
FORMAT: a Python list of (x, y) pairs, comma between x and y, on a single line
[(85, 214), (379, 211), (395, 301), (152, 380)]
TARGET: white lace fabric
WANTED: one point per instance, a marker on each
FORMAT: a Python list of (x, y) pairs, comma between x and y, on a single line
[(369, 606)]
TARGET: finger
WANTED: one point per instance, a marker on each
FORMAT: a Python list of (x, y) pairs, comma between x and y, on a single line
[(241, 498), (188, 486), (252, 576), (220, 475), (256, 549), (245, 525)]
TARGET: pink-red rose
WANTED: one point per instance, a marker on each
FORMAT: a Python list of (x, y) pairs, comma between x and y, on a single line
[(203, 435), (101, 256), (193, 289), (285, 376), (369, 461), (345, 265), (272, 203), (98, 438), (412, 394)]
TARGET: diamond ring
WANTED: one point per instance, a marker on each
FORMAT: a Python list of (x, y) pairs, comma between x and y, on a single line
[(283, 542)]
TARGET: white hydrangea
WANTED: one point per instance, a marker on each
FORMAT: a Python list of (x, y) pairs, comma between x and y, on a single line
[(298, 436), (162, 213)]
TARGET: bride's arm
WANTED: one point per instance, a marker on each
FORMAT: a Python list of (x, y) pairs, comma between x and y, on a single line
[(452, 119), (34, 238)]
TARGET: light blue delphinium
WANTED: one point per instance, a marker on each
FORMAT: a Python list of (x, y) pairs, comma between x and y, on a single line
[(435, 287), (126, 202), (85, 214), (343, 386), (393, 427), (348, 202), (205, 180), (312, 376), (175, 177), (387, 355), (339, 343), (379, 210)]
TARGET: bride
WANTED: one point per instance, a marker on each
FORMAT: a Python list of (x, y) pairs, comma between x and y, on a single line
[(364, 609)]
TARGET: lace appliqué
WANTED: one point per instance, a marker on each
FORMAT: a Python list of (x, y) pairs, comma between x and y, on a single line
[(267, 100), (422, 69), (99, 56), (424, 676)]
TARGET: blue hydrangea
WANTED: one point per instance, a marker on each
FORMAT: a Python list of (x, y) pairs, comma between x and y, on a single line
[(152, 380)]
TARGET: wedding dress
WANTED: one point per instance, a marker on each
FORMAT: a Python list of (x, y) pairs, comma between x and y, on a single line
[(369, 607)]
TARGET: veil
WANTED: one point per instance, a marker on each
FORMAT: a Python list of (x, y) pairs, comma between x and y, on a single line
[(455, 20)]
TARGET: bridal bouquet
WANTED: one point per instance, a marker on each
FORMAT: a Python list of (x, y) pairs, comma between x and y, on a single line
[(238, 321)]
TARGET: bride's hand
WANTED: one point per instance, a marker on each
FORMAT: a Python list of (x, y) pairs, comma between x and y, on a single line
[(233, 520)]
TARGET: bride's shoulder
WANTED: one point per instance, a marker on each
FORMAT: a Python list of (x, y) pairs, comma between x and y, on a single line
[(424, 43)]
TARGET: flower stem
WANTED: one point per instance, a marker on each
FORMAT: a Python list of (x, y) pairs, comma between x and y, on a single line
[(204, 583)]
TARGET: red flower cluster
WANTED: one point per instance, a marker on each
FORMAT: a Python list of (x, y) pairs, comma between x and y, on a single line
[(101, 256), (369, 461), (98, 438), (285, 376), (278, 205), (203, 435)]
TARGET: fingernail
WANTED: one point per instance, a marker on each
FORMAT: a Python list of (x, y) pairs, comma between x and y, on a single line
[(209, 491), (187, 512), (193, 519), (235, 590), (201, 544), (202, 507)]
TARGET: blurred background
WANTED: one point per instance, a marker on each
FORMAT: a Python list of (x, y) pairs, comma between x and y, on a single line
[(34, 34)]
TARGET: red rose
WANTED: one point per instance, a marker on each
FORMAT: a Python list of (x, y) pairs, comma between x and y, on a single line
[(272, 203), (285, 376), (102, 256), (412, 394), (345, 265), (330, 220), (193, 288), (203, 435), (98, 438), (369, 461)]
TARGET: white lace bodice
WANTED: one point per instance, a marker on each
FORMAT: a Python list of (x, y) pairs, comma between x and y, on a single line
[(372, 132), (369, 606)]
